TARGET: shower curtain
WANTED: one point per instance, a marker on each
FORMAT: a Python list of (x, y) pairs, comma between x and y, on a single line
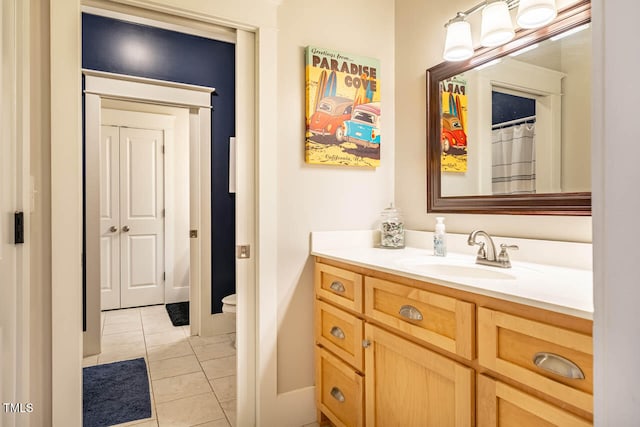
[(514, 163)]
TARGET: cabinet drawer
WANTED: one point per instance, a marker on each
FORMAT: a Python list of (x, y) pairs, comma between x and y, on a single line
[(339, 391), (340, 333), (443, 321), (542, 356), (503, 405), (342, 287)]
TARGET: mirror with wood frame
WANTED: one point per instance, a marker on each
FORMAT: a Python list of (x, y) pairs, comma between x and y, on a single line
[(508, 131)]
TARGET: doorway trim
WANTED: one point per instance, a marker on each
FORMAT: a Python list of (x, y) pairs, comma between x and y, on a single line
[(100, 85), (258, 401)]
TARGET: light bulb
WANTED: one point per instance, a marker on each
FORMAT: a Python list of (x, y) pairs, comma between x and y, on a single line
[(496, 28), (458, 45), (536, 13)]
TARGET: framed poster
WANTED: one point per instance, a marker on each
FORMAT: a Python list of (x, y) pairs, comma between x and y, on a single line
[(453, 92), (342, 108)]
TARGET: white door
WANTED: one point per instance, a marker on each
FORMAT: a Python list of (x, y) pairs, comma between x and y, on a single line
[(141, 221), (132, 224), (109, 217)]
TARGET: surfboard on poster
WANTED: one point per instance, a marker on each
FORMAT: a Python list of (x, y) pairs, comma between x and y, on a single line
[(342, 108)]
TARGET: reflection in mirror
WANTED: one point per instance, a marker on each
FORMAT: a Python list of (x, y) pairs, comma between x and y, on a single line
[(520, 124), (536, 90)]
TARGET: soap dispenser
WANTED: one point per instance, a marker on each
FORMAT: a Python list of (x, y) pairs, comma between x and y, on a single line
[(391, 228), (440, 238)]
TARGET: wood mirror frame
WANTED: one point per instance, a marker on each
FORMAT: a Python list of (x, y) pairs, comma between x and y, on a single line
[(530, 204)]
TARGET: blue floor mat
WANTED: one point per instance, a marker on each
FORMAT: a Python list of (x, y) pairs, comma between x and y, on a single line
[(115, 393)]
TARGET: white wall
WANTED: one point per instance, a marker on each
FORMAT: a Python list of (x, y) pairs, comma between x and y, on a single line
[(419, 43), (576, 114), (322, 197), (616, 206)]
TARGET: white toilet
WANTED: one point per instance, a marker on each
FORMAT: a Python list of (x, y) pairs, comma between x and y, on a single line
[(229, 306)]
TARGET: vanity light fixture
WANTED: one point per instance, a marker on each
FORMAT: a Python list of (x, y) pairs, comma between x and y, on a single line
[(497, 28), (536, 13), (458, 45)]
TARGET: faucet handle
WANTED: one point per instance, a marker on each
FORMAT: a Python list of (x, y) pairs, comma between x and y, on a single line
[(503, 256), (504, 247), (482, 252)]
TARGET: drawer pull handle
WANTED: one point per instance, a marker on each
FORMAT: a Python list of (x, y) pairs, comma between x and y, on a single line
[(410, 312), (337, 394), (337, 332), (558, 365), (337, 287)]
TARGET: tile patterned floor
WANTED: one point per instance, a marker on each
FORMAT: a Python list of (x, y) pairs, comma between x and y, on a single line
[(192, 379)]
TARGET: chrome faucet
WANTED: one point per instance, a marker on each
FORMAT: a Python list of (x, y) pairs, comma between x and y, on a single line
[(487, 256)]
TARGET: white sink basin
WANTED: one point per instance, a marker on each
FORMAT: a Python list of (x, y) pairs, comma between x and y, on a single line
[(455, 268)]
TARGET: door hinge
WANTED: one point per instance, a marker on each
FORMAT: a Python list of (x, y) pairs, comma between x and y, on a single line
[(164, 276), (163, 213), (163, 149)]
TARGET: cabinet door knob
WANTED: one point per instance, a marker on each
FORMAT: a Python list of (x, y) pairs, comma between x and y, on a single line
[(337, 332), (337, 287), (126, 228), (410, 312), (337, 394), (558, 365), (366, 343), (113, 229)]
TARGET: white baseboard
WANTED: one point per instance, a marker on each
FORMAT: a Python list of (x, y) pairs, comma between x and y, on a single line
[(297, 408), (219, 323)]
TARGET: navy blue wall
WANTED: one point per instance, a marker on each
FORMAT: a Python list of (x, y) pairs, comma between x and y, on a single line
[(138, 50), (505, 107)]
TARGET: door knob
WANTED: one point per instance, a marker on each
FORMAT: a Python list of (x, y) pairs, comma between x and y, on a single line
[(113, 229), (125, 228)]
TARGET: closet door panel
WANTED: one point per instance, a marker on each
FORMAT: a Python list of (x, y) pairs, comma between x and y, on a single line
[(109, 218)]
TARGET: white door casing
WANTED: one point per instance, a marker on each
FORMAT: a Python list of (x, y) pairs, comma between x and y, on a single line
[(65, 54), (100, 86), (15, 196), (8, 260), (141, 217)]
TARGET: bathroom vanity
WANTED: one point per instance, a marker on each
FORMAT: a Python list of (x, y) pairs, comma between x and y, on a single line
[(406, 338)]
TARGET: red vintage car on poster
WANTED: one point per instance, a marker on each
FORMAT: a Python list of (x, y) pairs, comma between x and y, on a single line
[(452, 133), (331, 112)]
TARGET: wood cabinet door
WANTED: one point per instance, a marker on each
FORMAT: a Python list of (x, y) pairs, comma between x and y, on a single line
[(503, 405), (409, 386)]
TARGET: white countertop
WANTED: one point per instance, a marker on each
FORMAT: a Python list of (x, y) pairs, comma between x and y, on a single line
[(561, 289)]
